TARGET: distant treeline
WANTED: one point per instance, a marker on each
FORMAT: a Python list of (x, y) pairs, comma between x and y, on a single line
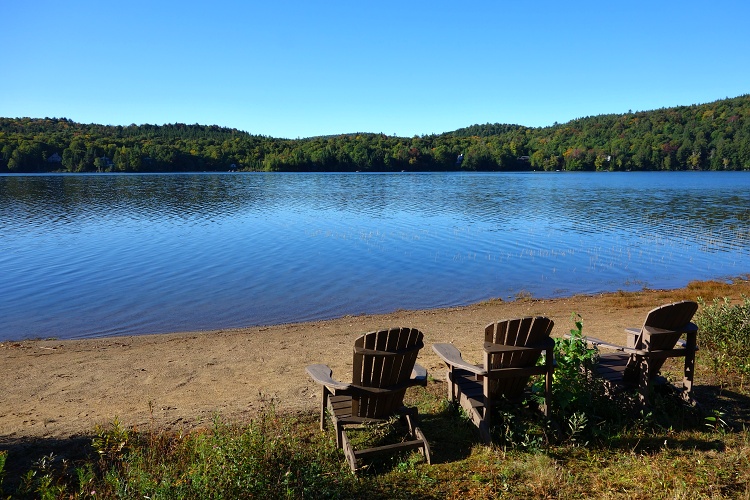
[(714, 136)]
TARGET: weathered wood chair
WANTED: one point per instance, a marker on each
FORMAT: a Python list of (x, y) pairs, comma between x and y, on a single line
[(511, 350), (637, 364), (384, 367)]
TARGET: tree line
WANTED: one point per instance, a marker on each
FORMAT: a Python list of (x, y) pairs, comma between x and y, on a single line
[(713, 136)]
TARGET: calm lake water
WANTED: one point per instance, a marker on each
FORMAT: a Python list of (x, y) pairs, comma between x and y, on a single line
[(99, 255)]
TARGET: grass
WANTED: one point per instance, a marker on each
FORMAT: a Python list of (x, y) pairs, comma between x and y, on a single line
[(669, 450), (657, 455)]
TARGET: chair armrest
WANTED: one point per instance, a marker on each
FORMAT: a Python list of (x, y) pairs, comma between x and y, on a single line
[(321, 374), (452, 358), (419, 374), (628, 350), (689, 328)]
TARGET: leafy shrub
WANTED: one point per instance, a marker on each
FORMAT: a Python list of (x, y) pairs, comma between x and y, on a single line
[(573, 404), (724, 330), (111, 441), (45, 480), (580, 406), (572, 388)]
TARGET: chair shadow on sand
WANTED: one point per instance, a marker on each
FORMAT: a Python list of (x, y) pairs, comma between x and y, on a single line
[(24, 454)]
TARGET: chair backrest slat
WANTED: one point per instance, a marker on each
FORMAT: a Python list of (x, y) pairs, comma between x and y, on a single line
[(525, 332), (675, 317), (371, 369)]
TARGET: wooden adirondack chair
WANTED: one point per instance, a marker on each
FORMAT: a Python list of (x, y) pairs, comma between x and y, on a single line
[(384, 367), (511, 351), (637, 364)]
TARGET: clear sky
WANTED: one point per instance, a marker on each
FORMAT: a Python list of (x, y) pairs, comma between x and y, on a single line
[(290, 68)]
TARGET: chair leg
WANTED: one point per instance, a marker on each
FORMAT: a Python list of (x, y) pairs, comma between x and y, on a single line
[(644, 384), (451, 385), (687, 381), (407, 416), (548, 383), (339, 432), (425, 450), (484, 432), (348, 450), (487, 411), (324, 408), (410, 416)]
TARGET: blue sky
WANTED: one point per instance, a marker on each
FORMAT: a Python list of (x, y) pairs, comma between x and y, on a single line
[(306, 68)]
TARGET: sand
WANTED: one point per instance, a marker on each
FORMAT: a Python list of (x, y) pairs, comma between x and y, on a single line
[(60, 389)]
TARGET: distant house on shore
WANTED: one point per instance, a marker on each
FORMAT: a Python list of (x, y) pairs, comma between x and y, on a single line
[(103, 163), (54, 158)]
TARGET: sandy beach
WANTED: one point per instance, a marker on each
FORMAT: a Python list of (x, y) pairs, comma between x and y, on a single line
[(62, 389)]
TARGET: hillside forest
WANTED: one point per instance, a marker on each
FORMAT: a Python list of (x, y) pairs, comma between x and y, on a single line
[(713, 136)]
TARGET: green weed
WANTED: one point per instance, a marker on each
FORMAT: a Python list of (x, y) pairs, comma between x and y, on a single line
[(289, 457), (725, 331), (580, 405)]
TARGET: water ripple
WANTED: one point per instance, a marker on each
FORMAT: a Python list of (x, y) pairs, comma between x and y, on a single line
[(95, 255)]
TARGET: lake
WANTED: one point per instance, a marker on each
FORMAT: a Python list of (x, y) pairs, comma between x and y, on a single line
[(114, 254)]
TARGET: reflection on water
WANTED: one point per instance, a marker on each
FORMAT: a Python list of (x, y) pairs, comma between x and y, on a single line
[(93, 255)]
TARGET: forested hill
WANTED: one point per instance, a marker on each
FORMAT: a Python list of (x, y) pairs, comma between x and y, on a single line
[(711, 136)]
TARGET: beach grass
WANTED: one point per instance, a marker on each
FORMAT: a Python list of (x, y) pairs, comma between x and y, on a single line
[(276, 456)]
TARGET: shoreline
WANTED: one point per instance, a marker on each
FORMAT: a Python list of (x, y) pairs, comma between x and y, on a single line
[(64, 388)]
